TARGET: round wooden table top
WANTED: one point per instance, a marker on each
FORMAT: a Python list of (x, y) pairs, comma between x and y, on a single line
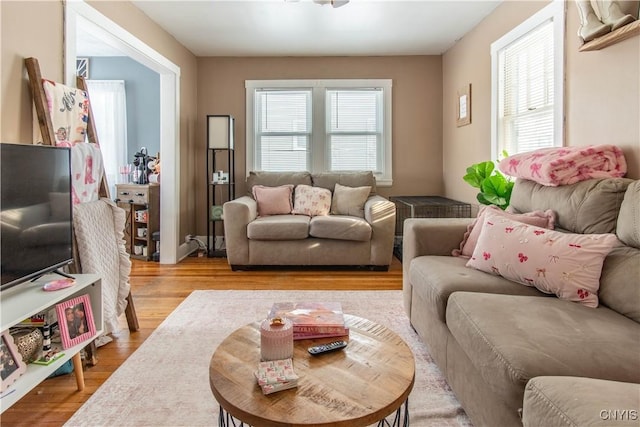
[(357, 386)]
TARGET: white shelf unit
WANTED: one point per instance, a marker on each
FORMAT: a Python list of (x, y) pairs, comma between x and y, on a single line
[(27, 299)]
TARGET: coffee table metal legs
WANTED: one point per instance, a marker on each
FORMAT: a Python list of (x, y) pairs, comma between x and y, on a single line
[(226, 420), (400, 419)]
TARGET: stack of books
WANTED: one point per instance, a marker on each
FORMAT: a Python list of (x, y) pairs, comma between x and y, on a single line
[(312, 319), (276, 375)]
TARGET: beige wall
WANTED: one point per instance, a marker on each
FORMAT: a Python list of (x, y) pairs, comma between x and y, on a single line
[(417, 109), (25, 34), (602, 94)]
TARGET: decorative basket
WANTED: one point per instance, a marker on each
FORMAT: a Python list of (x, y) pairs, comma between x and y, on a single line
[(29, 342)]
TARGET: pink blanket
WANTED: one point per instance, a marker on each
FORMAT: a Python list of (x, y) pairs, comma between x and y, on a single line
[(567, 165)]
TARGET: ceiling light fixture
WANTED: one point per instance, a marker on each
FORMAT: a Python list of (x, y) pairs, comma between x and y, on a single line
[(334, 3)]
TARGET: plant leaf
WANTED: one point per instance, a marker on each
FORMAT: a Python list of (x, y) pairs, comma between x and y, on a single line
[(473, 179)]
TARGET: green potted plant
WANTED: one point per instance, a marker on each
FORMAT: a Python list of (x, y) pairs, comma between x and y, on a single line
[(495, 188)]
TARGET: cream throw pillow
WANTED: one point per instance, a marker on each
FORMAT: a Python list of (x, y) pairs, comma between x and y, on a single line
[(349, 200)]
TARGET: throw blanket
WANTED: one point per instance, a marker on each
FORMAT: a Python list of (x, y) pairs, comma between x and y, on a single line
[(568, 165), (99, 230), (69, 110)]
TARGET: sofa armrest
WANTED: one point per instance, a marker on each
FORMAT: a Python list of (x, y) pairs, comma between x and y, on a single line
[(575, 401), (380, 213), (428, 236), (238, 214)]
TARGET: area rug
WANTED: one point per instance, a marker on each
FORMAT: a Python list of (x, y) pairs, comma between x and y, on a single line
[(166, 381)]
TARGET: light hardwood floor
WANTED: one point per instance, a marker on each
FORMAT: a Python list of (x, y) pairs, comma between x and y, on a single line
[(157, 290)]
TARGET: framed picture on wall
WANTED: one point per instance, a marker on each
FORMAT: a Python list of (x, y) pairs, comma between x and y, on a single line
[(82, 67), (463, 106)]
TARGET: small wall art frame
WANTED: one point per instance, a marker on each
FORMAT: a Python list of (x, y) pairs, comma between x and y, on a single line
[(82, 67), (11, 363), (75, 319), (463, 106)]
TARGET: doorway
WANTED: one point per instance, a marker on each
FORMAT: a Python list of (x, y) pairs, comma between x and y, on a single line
[(81, 19)]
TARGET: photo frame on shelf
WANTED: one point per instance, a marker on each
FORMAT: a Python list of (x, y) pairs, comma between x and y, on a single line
[(463, 106), (11, 363), (75, 320)]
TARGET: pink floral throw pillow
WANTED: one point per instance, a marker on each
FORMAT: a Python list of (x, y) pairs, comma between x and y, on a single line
[(273, 200), (567, 265), (546, 219), (311, 201)]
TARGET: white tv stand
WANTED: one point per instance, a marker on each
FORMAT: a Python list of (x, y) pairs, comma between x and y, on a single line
[(27, 299)]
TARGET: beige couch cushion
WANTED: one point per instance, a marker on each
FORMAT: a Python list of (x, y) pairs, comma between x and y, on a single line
[(340, 227), (328, 180), (589, 206), (279, 227), (275, 179), (620, 282), (574, 401), (628, 228), (435, 278), (511, 339)]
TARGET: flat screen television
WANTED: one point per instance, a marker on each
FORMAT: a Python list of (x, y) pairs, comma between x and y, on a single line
[(35, 211)]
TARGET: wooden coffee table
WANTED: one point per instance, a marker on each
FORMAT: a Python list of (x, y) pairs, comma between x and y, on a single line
[(358, 386)]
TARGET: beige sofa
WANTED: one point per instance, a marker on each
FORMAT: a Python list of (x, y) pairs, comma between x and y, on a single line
[(492, 338), (300, 240)]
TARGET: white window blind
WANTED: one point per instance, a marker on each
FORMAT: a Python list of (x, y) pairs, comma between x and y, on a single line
[(527, 75), (526, 91), (283, 129), (354, 129)]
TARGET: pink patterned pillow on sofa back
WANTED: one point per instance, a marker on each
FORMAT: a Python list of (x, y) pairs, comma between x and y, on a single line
[(565, 264), (544, 219), (311, 201)]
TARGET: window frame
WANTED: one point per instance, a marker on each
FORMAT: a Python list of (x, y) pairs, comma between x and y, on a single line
[(556, 12), (319, 153)]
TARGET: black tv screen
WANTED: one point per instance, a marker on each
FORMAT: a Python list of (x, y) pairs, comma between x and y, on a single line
[(35, 211)]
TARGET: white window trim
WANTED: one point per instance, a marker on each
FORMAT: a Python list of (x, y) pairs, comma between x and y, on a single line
[(556, 12), (318, 121)]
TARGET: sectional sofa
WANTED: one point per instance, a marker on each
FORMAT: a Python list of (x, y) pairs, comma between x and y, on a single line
[(513, 354)]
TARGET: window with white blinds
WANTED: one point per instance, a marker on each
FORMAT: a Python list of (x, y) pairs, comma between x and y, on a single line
[(527, 76), (354, 129), (283, 129), (320, 126)]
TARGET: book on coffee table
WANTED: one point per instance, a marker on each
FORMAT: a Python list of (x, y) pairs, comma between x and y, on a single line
[(311, 319), (276, 375)]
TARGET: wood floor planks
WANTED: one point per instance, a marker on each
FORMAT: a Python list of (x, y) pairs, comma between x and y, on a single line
[(157, 290)]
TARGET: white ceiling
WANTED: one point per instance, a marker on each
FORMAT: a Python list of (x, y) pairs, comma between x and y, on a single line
[(304, 28)]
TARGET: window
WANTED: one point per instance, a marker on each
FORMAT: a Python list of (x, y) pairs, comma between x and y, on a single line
[(283, 129), (320, 125), (109, 107), (527, 84)]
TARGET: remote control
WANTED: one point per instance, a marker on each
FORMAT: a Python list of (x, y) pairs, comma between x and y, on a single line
[(325, 348)]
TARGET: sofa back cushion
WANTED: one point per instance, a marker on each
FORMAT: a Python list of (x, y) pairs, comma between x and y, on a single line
[(628, 228), (329, 180), (589, 207), (276, 179)]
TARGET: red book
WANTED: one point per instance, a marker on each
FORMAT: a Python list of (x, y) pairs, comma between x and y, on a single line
[(307, 336), (311, 317)]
